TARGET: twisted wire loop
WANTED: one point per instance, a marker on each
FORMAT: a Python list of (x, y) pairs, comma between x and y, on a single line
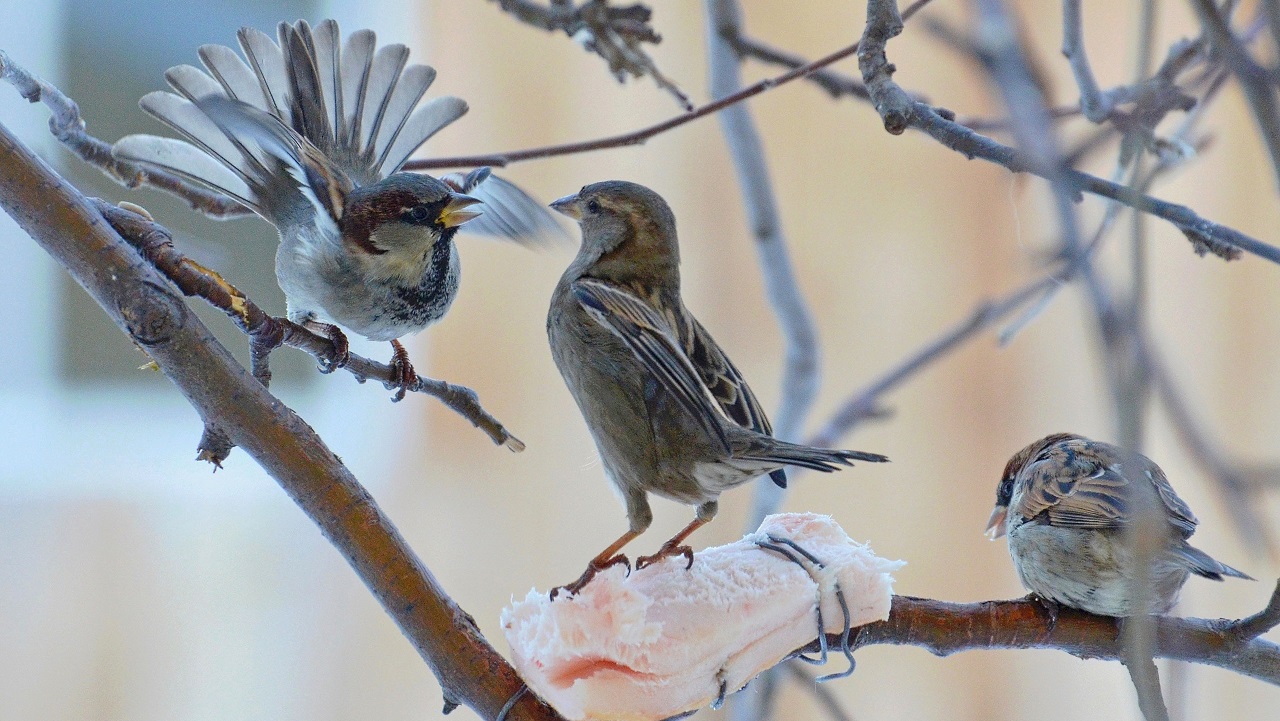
[(798, 555)]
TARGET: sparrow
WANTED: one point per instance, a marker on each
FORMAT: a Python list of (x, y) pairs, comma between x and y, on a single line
[(311, 134), (669, 412), (1065, 503)]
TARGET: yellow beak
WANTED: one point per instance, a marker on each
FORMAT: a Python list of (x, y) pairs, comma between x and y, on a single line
[(457, 211)]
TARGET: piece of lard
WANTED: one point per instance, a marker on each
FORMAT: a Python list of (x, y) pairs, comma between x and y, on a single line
[(665, 641)]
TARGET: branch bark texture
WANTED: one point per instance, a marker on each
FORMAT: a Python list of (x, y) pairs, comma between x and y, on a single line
[(145, 307), (944, 628)]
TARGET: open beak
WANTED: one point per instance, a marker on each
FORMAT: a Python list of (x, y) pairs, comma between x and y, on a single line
[(996, 523), (569, 206), (458, 210)]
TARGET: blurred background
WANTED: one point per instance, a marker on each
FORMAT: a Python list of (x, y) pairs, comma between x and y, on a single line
[(136, 584)]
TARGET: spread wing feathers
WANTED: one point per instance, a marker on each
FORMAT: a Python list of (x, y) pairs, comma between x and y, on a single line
[(649, 337), (354, 103), (1085, 484), (188, 162), (508, 211)]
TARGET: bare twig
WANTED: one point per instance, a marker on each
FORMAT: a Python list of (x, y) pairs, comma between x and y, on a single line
[(801, 357), (1254, 80), (894, 106), (155, 243), (800, 373), (837, 84), (616, 34), (865, 403), (139, 300), (69, 128), (1093, 103), (635, 137)]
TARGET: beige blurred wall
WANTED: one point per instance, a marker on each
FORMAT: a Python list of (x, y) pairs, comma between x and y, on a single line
[(114, 609)]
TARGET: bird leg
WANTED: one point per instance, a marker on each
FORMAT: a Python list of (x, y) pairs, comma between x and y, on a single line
[(607, 558), (341, 347), (402, 369), (673, 547)]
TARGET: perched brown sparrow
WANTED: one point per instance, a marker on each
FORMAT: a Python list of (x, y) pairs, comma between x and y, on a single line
[(1065, 502), (311, 134), (669, 413)]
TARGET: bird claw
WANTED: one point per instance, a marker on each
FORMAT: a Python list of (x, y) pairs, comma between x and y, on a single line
[(1053, 608), (667, 552), (402, 369), (341, 347), (592, 569)]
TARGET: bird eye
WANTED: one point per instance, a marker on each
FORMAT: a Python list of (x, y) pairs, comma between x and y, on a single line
[(419, 214), (593, 206)]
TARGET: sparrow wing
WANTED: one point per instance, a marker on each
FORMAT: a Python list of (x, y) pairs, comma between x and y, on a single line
[(508, 212), (357, 105), (651, 339), (726, 384), (318, 180), (721, 377), (1078, 483)]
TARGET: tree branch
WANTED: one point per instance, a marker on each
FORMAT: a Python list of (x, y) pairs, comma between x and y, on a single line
[(899, 112), (141, 303), (945, 628), (616, 34), (155, 243), (1257, 86), (635, 137), (800, 372), (69, 128)]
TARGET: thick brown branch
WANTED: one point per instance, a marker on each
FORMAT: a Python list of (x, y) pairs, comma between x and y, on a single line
[(945, 628), (140, 301)]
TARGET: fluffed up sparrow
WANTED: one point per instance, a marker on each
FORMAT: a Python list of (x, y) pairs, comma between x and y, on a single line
[(669, 412), (311, 135), (1066, 501)]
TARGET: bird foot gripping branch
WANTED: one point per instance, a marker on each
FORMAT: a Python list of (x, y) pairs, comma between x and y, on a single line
[(664, 641)]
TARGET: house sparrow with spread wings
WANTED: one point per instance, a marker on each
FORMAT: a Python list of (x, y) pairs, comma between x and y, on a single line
[(668, 411), (311, 134), (1065, 503)]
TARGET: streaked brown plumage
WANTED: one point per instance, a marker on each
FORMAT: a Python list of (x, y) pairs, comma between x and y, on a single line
[(1066, 502), (670, 414)]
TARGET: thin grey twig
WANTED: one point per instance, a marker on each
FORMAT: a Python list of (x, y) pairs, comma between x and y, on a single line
[(801, 369), (69, 128), (836, 84), (800, 375), (635, 137), (1093, 103), (617, 34), (1254, 80)]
